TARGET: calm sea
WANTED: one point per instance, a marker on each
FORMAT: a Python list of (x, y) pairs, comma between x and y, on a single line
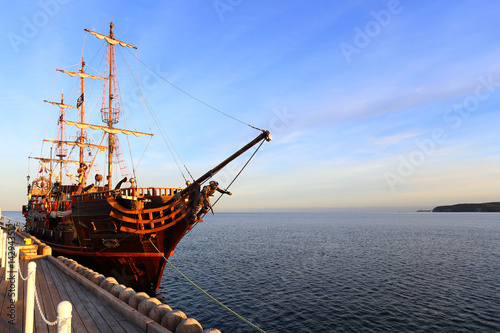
[(341, 272)]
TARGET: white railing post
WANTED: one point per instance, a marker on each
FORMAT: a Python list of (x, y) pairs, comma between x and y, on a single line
[(30, 298), (64, 317), (13, 269), (4, 252), (1, 247)]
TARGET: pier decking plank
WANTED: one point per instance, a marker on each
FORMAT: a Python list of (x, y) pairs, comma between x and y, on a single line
[(90, 313), (102, 317), (47, 296), (21, 300), (5, 310), (5, 325), (54, 294)]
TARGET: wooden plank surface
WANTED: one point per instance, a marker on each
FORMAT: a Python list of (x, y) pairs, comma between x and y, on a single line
[(11, 319), (5, 312), (90, 314)]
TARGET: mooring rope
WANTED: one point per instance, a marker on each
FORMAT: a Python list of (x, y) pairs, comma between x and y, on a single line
[(257, 328)]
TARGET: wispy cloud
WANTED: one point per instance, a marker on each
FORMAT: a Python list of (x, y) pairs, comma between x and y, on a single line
[(390, 140)]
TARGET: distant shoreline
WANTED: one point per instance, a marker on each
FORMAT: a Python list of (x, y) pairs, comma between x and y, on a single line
[(488, 207)]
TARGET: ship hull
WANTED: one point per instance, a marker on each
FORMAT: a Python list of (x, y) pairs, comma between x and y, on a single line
[(140, 271), (128, 237)]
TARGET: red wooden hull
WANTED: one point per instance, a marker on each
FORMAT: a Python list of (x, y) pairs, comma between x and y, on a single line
[(108, 233)]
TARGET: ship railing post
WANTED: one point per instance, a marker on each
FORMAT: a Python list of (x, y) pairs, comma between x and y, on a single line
[(30, 298), (64, 317)]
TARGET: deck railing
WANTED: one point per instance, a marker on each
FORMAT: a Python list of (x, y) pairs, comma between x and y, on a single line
[(138, 191)]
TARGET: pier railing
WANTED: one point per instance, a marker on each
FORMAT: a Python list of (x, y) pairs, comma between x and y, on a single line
[(7, 221), (10, 256)]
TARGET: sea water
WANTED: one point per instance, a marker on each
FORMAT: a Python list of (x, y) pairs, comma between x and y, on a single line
[(340, 272)]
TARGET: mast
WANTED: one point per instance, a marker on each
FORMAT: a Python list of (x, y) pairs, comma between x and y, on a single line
[(60, 141), (81, 101), (110, 106), (81, 137), (60, 153), (110, 116), (59, 150), (50, 173)]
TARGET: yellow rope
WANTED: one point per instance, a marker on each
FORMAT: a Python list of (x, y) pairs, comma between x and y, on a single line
[(257, 328)]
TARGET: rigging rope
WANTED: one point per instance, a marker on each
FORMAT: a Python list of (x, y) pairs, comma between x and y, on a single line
[(257, 328), (197, 99), (231, 183), (162, 131)]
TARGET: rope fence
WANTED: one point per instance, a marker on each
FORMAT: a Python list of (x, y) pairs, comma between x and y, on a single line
[(9, 251)]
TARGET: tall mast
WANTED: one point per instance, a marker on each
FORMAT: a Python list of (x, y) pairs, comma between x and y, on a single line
[(50, 173), (110, 107), (59, 150), (80, 140), (111, 115), (81, 101), (60, 141)]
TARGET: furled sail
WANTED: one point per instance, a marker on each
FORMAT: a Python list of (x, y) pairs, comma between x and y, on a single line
[(109, 130), (48, 170), (83, 75), (47, 160), (80, 145), (110, 40), (61, 105)]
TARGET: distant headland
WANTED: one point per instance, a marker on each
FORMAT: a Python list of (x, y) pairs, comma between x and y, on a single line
[(489, 207)]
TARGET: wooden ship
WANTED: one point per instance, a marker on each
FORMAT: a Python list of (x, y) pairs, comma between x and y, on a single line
[(120, 230)]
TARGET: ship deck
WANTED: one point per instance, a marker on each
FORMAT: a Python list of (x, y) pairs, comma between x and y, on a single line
[(90, 312)]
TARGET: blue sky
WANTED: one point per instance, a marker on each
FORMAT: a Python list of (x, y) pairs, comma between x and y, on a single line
[(379, 105)]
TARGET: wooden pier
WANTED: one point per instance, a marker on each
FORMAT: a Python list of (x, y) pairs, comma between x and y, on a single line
[(90, 312), (95, 307)]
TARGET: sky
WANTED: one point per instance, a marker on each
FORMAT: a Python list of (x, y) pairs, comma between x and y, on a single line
[(373, 105)]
